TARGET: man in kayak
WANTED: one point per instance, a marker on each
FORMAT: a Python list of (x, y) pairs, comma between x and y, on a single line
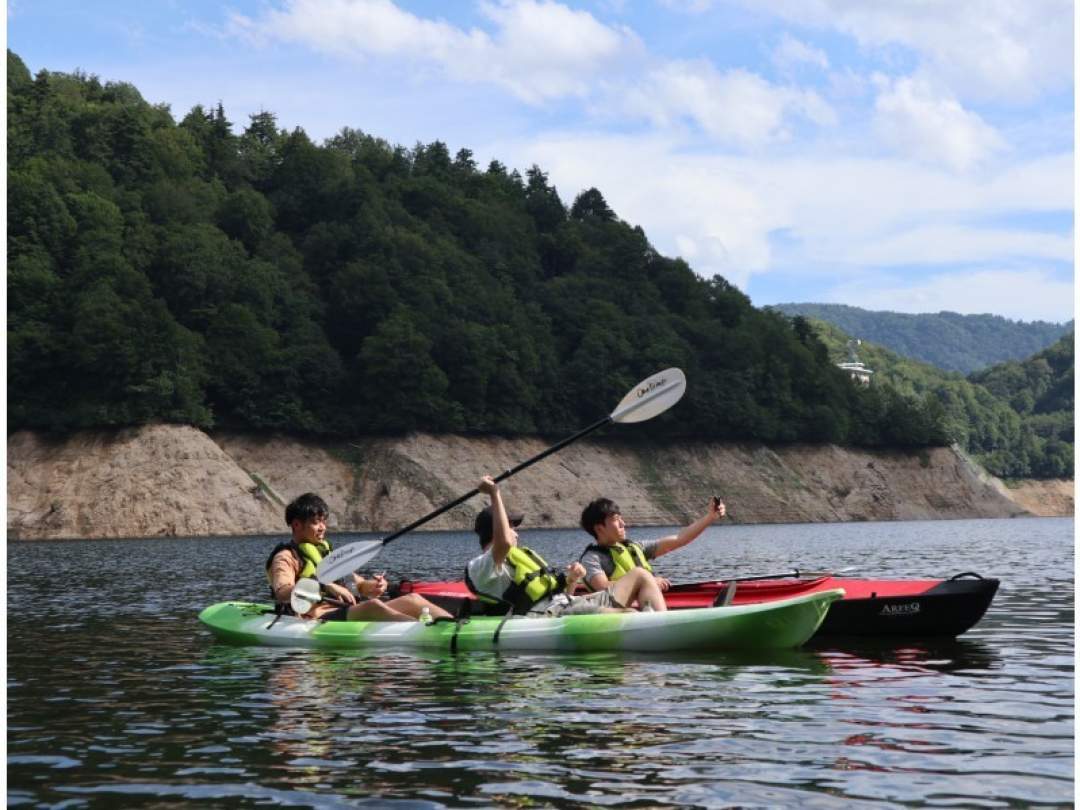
[(612, 557), (510, 574), (289, 562)]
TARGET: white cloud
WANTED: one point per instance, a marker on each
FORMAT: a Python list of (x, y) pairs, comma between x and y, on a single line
[(356, 28), (924, 124), (792, 52), (842, 217), (1028, 294), (839, 209), (700, 208), (734, 106), (539, 50), (992, 49), (930, 244), (1041, 184), (833, 208), (547, 50)]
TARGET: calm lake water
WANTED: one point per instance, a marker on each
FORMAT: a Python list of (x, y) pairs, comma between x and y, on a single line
[(116, 696)]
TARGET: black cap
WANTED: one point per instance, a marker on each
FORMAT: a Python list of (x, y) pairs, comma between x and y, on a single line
[(485, 528)]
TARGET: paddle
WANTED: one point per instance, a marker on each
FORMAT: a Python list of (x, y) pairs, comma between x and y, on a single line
[(795, 573), (649, 398), (305, 595)]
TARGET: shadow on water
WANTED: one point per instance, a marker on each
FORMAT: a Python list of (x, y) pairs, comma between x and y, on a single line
[(954, 656)]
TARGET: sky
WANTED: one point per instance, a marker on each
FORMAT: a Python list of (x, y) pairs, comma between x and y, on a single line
[(910, 156)]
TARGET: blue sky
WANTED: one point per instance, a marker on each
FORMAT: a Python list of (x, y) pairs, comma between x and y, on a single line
[(911, 156)]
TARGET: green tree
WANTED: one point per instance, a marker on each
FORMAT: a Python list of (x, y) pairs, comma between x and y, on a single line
[(259, 149), (163, 270), (590, 204), (401, 386)]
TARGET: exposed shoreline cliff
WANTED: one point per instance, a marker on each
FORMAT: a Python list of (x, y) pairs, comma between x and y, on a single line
[(169, 480)]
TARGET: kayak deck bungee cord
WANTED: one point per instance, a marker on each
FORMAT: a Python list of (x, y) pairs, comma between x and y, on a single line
[(780, 624)]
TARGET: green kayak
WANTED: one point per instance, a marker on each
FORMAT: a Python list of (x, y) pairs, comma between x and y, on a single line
[(784, 623)]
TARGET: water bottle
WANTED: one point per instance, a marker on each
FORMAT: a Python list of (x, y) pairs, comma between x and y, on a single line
[(425, 615)]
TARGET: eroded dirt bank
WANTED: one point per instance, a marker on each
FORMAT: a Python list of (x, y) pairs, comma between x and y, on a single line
[(1045, 498), (178, 481)]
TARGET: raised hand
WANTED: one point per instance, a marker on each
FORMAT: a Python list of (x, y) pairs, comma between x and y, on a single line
[(716, 507)]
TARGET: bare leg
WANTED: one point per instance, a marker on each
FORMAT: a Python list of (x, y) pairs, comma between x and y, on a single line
[(640, 586), (402, 609), (375, 611), (411, 605)]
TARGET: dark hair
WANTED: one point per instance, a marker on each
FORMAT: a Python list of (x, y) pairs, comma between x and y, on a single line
[(306, 507), (597, 512), (485, 524)]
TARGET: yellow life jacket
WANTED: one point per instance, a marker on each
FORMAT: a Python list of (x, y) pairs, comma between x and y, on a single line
[(533, 580), (625, 558), (308, 553)]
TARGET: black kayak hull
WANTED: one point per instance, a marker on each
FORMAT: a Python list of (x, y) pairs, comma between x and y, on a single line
[(949, 609)]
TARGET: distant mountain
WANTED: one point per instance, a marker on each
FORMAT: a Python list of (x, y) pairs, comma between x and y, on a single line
[(1041, 390), (1016, 417), (948, 340)]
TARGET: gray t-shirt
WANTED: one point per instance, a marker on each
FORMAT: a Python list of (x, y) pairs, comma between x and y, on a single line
[(595, 562)]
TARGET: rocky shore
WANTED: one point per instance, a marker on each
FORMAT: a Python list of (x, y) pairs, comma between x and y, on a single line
[(169, 480)]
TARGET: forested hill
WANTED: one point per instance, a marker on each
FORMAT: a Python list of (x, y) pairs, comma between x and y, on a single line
[(200, 272), (1017, 418), (948, 340)]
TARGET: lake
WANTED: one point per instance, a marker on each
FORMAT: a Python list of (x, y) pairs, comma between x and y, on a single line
[(117, 697)]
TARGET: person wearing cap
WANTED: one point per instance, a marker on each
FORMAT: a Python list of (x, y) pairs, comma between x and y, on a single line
[(612, 556), (507, 573)]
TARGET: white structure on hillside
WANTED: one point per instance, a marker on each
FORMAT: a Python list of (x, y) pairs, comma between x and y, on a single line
[(854, 366)]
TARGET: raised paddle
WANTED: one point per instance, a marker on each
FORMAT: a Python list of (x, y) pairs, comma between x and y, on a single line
[(649, 398)]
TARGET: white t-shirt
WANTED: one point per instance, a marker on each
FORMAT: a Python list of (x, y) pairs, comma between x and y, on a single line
[(493, 580)]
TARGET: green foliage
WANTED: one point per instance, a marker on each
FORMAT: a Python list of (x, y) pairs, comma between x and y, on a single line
[(402, 386), (950, 341), (1017, 417), (184, 272)]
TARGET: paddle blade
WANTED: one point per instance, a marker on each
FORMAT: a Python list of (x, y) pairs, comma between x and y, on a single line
[(651, 397), (305, 595), (343, 561)]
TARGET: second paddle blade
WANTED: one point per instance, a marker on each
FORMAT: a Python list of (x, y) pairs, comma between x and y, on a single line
[(651, 397)]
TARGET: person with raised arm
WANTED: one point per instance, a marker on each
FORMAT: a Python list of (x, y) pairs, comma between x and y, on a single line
[(612, 557), (514, 576)]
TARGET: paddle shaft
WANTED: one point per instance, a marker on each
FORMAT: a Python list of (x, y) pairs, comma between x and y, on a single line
[(501, 477), (793, 574), (649, 398)]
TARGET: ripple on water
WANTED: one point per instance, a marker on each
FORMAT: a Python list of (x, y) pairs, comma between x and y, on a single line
[(147, 710)]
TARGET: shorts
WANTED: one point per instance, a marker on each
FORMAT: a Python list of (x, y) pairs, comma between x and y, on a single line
[(564, 605), (338, 614)]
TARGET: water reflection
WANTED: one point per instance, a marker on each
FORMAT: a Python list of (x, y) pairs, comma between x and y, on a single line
[(957, 656), (486, 724), (130, 702)]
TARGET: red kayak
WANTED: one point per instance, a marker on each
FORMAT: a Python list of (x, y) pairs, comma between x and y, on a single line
[(874, 608)]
